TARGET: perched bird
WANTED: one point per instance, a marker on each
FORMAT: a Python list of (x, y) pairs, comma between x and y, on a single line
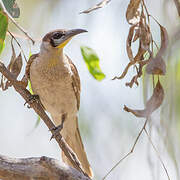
[(55, 79)]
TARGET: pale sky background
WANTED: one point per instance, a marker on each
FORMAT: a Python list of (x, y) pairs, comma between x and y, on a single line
[(108, 131)]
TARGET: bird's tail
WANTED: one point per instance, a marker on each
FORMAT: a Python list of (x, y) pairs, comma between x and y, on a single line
[(72, 137)]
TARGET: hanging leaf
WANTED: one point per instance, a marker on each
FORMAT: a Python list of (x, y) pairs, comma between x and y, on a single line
[(156, 66), (133, 12), (12, 7), (3, 29), (92, 61), (137, 34), (16, 66), (164, 40), (129, 42), (152, 104), (145, 36), (97, 6)]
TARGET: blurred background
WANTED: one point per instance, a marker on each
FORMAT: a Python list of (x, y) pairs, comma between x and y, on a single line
[(108, 132)]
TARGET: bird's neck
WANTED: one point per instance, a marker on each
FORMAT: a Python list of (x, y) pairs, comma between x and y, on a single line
[(52, 58)]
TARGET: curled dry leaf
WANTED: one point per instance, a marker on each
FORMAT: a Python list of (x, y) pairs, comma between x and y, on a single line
[(152, 104), (156, 66), (17, 66), (145, 36), (13, 57), (133, 12), (125, 70), (137, 34), (128, 43), (97, 6), (14, 67), (164, 40)]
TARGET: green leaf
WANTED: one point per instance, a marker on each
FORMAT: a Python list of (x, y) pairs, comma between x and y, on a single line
[(30, 88), (92, 61), (3, 29), (12, 7)]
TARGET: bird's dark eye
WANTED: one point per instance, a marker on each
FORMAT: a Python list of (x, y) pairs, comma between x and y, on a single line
[(57, 35)]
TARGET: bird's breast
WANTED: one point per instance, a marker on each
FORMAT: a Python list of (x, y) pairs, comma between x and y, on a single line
[(53, 83)]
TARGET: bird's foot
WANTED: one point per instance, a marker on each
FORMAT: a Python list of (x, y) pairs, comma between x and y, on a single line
[(32, 98), (57, 129)]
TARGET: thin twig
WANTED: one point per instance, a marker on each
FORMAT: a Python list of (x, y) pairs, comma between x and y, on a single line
[(130, 152), (159, 157), (15, 23)]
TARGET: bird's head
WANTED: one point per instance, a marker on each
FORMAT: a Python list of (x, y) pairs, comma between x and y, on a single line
[(58, 39)]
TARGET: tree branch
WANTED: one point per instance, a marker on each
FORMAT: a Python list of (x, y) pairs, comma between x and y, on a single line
[(20, 88), (39, 168)]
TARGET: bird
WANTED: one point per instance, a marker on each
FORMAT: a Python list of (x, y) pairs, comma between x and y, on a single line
[(55, 79)]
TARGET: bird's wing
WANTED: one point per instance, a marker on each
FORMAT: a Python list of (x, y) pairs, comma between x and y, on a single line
[(75, 82), (28, 65)]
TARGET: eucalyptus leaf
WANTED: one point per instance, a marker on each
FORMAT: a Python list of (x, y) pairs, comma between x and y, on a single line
[(12, 7), (3, 29), (92, 61)]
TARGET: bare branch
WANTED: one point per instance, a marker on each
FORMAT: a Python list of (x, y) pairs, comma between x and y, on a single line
[(15, 23), (20, 88), (97, 6), (40, 168)]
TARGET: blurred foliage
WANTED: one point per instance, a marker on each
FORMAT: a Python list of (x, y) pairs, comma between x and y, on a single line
[(92, 62), (12, 8), (3, 29)]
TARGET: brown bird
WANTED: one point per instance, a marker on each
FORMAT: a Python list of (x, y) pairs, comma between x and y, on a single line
[(55, 79)]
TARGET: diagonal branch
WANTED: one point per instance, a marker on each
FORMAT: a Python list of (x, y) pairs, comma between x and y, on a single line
[(41, 168), (19, 87)]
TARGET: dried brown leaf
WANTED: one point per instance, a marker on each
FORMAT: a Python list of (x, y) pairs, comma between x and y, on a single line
[(164, 40), (13, 57), (145, 36), (133, 12), (125, 70), (152, 104), (139, 56), (128, 43), (133, 80), (156, 66), (97, 6), (137, 34), (17, 66)]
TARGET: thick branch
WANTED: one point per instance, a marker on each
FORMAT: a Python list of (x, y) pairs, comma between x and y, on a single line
[(39, 168), (40, 111)]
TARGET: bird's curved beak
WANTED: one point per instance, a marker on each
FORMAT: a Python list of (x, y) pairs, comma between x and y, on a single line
[(68, 36)]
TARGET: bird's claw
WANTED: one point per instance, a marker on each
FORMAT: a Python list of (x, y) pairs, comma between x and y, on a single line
[(32, 98), (57, 129)]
